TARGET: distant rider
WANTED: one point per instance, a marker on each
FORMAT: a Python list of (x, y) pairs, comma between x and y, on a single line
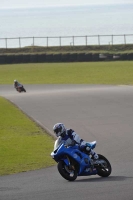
[(70, 137), (17, 85)]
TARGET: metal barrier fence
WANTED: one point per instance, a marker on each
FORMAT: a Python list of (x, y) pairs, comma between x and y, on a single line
[(19, 42), (59, 57)]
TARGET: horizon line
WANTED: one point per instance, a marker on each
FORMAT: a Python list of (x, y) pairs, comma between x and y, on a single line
[(65, 5)]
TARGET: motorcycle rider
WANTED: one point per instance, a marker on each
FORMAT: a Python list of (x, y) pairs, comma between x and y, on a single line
[(17, 85), (70, 137)]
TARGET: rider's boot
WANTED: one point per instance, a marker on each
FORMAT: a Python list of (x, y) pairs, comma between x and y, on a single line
[(94, 157), (92, 153)]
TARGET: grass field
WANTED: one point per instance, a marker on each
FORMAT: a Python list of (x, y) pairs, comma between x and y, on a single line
[(119, 72), (23, 145)]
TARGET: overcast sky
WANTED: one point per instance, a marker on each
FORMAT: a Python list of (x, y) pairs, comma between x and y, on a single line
[(42, 3)]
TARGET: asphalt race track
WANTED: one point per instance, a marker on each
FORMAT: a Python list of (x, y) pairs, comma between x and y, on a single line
[(95, 112)]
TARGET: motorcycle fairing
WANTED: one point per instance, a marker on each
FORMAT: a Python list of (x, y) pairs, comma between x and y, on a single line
[(82, 159)]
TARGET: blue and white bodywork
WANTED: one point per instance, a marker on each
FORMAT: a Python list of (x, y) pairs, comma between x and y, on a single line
[(72, 162)]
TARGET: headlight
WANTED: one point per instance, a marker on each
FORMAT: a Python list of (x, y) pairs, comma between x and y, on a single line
[(52, 154)]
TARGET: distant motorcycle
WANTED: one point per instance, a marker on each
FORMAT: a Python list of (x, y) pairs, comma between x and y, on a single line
[(20, 88), (72, 162)]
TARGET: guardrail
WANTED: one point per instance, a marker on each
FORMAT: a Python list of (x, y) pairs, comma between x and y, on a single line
[(19, 42), (67, 57)]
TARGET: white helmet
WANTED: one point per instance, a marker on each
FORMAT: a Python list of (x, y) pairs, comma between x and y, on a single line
[(15, 81), (59, 129)]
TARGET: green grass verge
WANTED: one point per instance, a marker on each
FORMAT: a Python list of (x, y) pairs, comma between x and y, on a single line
[(119, 72), (23, 145), (114, 49)]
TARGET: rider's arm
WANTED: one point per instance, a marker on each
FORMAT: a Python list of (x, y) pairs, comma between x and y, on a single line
[(73, 135), (20, 85)]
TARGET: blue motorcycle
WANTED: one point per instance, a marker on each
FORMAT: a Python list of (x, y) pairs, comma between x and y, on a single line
[(73, 162)]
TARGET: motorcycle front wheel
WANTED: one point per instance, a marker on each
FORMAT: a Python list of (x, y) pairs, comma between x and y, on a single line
[(67, 172), (23, 89), (104, 169)]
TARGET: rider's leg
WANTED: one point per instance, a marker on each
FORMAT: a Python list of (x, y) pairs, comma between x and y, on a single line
[(90, 152), (94, 154)]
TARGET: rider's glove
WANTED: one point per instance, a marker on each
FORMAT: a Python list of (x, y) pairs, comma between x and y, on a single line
[(72, 143)]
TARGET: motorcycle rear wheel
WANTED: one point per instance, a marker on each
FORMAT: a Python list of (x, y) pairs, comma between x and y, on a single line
[(23, 89), (65, 172), (106, 170)]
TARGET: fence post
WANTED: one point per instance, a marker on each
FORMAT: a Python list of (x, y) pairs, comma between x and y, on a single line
[(47, 41), (73, 40), (86, 40), (112, 40), (98, 39), (125, 39), (60, 41), (6, 42), (33, 41), (19, 43)]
